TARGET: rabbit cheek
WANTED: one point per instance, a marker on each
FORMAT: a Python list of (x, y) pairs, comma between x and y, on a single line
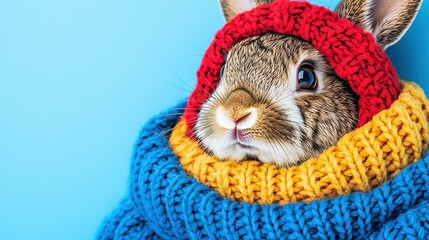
[(280, 132), (326, 117)]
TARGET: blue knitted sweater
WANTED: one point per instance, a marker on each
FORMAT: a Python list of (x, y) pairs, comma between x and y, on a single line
[(164, 203)]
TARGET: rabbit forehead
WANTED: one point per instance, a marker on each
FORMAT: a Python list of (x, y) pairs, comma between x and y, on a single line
[(271, 55), (270, 62)]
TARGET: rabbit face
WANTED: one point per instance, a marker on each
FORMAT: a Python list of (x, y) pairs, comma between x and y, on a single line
[(278, 101)]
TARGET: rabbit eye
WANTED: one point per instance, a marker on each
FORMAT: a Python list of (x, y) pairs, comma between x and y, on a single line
[(221, 71), (306, 78)]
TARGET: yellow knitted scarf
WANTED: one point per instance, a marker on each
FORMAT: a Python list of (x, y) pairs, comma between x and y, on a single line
[(361, 160)]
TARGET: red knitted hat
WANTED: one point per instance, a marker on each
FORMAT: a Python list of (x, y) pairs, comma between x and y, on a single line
[(352, 53)]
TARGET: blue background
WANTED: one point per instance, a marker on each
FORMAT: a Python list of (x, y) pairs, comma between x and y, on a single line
[(77, 81)]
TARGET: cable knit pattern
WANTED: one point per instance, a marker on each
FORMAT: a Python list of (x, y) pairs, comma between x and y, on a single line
[(349, 50), (360, 161), (164, 203)]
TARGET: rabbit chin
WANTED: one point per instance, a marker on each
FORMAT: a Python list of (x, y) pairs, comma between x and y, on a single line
[(285, 156)]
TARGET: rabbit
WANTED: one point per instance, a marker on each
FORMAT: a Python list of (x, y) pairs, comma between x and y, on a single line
[(278, 100)]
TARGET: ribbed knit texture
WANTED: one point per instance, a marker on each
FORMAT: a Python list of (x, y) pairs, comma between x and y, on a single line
[(349, 50), (360, 161), (164, 203)]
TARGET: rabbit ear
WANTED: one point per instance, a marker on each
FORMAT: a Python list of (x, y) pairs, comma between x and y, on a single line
[(387, 20), (231, 8)]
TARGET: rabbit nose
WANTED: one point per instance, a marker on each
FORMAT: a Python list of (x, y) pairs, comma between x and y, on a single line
[(245, 120)]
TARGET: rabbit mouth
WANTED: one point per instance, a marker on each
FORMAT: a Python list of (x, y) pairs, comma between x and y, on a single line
[(244, 146)]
